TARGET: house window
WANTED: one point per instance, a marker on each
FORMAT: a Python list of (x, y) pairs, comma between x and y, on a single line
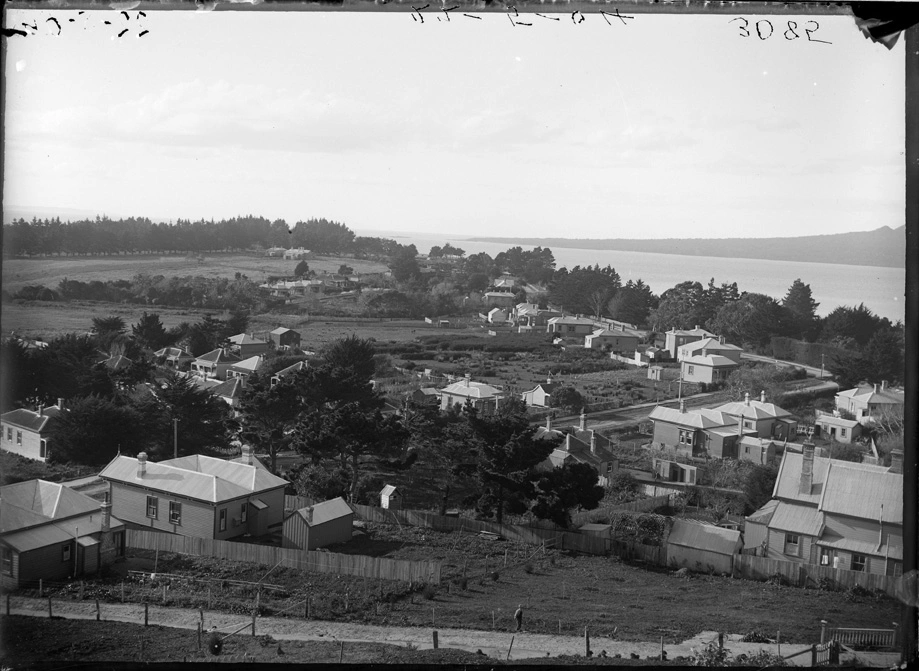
[(6, 566), (43, 453), (859, 563), (175, 512), (897, 569), (244, 512), (9, 433), (793, 545), (19, 437), (223, 519), (685, 437), (747, 424), (152, 507), (690, 370), (842, 432), (65, 552), (825, 557)]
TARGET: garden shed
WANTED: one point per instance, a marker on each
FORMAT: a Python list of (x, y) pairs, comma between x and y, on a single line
[(702, 547), (593, 529), (318, 525), (390, 498)]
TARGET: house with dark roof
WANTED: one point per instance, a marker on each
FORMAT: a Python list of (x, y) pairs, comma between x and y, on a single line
[(867, 402), (285, 338), (833, 513), (25, 432), (318, 526), (540, 395), (767, 419), (580, 445), (246, 345), (196, 495), (49, 531), (215, 363), (499, 299)]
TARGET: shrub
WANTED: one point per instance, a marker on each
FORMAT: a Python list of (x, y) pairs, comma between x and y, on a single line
[(528, 568), (429, 592), (462, 583), (494, 576), (755, 637), (777, 579)]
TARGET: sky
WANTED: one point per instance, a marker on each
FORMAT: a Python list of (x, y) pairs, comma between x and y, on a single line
[(669, 126)]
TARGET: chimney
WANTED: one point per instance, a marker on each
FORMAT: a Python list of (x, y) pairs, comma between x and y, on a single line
[(697, 327), (106, 513), (747, 398), (141, 464), (896, 461), (883, 385), (875, 387), (762, 396), (308, 514), (593, 442), (740, 426), (247, 455), (41, 410), (720, 340), (548, 422), (583, 421), (468, 378), (682, 406), (807, 469), (568, 442), (60, 403)]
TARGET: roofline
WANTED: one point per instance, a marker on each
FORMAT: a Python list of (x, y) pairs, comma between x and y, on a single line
[(192, 498)]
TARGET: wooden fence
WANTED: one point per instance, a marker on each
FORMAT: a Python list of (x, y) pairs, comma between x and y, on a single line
[(307, 560), (803, 575), (640, 506), (864, 638)]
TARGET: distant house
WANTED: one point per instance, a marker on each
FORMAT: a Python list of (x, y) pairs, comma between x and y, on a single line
[(176, 357), (832, 427), (709, 346), (426, 396), (298, 253), (758, 450), (698, 432), (285, 338), (833, 513), (275, 252), (196, 495), (51, 532), (867, 402), (529, 317), (673, 471), (25, 432), (501, 299), (246, 345), (580, 445), (290, 370), (618, 340), (767, 419), (117, 362), (483, 396), (540, 395), (229, 391), (707, 369), (570, 326), (702, 547), (655, 373), (246, 368), (391, 498), (505, 282), (215, 363), (497, 316), (676, 338), (318, 526)]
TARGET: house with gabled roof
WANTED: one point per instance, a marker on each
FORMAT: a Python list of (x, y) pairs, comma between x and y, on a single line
[(676, 338), (540, 396), (830, 426), (290, 370), (707, 369), (833, 513), (570, 326), (246, 345), (285, 338), (215, 363), (500, 299), (25, 432), (766, 419), (319, 525), (483, 397), (867, 402), (698, 432), (578, 444), (117, 362), (176, 357), (617, 338), (49, 531), (702, 547), (710, 346), (245, 368), (529, 316), (195, 495)]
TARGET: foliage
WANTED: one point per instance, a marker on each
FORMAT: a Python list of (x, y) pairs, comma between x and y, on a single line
[(302, 269), (566, 488), (752, 320), (758, 483), (689, 304), (710, 655), (633, 303), (536, 265), (754, 379), (322, 236), (845, 324), (15, 468), (92, 430), (150, 333), (623, 487), (567, 399), (447, 250), (584, 290), (204, 421), (268, 413), (801, 310), (404, 265)]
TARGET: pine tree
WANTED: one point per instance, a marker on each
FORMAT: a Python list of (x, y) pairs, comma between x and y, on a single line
[(801, 309)]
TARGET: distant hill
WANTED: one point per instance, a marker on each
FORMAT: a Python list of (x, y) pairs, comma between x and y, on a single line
[(881, 247)]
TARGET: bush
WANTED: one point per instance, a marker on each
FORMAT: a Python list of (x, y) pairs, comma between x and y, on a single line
[(429, 592), (494, 576), (755, 637), (528, 568), (777, 579)]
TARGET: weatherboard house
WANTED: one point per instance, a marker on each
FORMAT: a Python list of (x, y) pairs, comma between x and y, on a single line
[(319, 525), (196, 495), (25, 432)]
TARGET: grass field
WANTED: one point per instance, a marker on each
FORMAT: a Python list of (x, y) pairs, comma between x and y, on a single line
[(49, 271)]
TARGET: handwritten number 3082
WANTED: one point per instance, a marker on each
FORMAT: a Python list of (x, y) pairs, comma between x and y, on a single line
[(764, 29)]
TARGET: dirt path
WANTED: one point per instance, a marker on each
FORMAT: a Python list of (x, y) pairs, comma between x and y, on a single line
[(492, 643)]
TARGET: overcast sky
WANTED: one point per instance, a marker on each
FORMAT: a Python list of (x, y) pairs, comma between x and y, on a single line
[(671, 126)]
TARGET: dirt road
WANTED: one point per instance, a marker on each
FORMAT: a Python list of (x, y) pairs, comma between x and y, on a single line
[(493, 643)]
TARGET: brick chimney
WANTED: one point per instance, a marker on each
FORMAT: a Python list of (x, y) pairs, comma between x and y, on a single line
[(106, 508), (548, 422), (762, 396), (107, 551), (41, 410), (467, 378), (807, 469), (247, 455), (593, 441), (720, 340), (141, 464), (60, 403), (896, 461), (308, 514), (682, 406), (883, 385), (583, 421), (740, 426), (746, 398), (568, 442)]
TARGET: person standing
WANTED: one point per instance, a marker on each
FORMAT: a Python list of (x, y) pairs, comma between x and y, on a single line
[(518, 617)]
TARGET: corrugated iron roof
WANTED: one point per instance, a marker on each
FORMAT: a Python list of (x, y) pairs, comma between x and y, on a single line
[(710, 344), (849, 544), (326, 511), (789, 477), (219, 355), (797, 518), (48, 499), (29, 419), (281, 331), (704, 537), (698, 419), (764, 514), (856, 492), (471, 389), (388, 490), (753, 410), (245, 339)]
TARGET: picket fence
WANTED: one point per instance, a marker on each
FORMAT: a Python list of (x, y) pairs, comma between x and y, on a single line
[(308, 560), (809, 575)]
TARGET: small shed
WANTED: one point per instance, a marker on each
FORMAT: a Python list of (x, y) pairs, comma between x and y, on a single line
[(702, 547), (593, 529), (318, 525), (654, 372), (390, 498)]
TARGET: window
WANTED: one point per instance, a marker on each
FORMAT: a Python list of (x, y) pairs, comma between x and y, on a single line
[(152, 507), (859, 563), (244, 512), (19, 437), (223, 519), (175, 512), (842, 432), (690, 370), (896, 569), (747, 424), (793, 545), (9, 433), (43, 449), (65, 553), (6, 565), (685, 437)]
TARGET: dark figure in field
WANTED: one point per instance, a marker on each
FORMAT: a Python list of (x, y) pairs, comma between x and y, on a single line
[(518, 617)]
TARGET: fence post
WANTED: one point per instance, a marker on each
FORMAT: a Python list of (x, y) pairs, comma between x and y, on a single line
[(253, 622), (341, 651), (586, 642), (98, 614), (201, 615), (199, 636), (49, 607), (122, 591), (822, 632), (511, 647), (81, 590), (146, 613), (435, 639), (164, 595), (492, 619), (778, 641), (41, 591), (813, 656), (720, 640), (208, 597)]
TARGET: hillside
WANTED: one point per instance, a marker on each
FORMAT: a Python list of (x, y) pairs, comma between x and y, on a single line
[(881, 247)]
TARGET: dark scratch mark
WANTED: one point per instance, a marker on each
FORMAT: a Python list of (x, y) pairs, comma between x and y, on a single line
[(617, 15), (577, 13), (54, 20), (141, 14), (473, 16), (71, 20), (126, 17), (122, 32), (551, 18), (143, 32), (108, 23), (11, 32)]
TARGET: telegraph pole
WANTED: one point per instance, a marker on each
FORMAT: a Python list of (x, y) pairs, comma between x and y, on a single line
[(175, 438), (821, 365)]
